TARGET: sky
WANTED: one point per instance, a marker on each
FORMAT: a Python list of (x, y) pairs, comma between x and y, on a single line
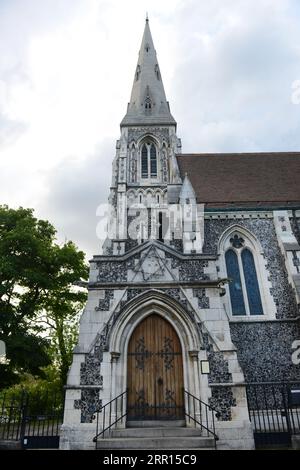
[(231, 71)]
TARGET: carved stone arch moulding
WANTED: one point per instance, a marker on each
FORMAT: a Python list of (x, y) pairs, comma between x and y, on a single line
[(137, 310), (238, 235), (147, 138), (158, 133), (149, 301)]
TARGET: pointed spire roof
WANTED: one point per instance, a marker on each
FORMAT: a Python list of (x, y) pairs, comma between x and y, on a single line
[(148, 103), (187, 191)]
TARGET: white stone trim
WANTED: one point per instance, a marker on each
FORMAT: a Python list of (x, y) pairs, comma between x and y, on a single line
[(239, 215)]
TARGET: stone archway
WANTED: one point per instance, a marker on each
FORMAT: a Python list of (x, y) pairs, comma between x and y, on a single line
[(183, 324)]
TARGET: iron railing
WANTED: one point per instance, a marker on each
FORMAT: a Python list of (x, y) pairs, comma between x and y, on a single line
[(273, 413), (33, 421), (11, 418), (111, 413), (201, 414)]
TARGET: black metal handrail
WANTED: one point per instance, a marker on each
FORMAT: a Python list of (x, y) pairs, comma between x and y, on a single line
[(107, 410), (201, 414), (196, 410)]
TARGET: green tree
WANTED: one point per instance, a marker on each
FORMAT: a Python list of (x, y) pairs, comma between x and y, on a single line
[(63, 302), (43, 393), (37, 279)]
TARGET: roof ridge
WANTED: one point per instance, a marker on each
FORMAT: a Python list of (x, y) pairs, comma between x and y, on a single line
[(237, 153)]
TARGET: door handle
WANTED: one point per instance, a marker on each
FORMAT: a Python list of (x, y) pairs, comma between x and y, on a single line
[(160, 381)]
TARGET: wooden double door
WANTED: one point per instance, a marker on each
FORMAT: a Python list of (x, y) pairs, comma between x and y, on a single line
[(155, 372)]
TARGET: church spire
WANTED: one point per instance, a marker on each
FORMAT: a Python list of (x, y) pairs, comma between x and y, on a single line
[(148, 103)]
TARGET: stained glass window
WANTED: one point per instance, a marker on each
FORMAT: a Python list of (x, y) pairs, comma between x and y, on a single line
[(235, 286), (254, 300), (153, 162), (144, 162), (237, 242)]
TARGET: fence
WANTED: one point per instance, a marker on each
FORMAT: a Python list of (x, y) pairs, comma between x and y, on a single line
[(32, 420), (274, 411)]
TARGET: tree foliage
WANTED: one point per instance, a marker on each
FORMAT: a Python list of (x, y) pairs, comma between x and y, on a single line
[(39, 304), (40, 395)]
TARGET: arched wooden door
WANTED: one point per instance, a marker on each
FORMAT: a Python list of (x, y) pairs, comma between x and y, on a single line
[(155, 372)]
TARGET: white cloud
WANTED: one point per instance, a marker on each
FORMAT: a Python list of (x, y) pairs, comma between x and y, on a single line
[(66, 69)]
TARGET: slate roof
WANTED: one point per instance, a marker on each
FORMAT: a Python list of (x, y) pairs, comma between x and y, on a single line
[(253, 180)]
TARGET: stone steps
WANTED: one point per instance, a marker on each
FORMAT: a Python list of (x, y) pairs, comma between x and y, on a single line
[(163, 438), (178, 423), (155, 432)]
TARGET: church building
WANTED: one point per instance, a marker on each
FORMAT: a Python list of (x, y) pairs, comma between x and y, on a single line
[(195, 294)]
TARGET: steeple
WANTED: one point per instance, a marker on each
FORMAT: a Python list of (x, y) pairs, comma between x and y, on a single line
[(148, 103)]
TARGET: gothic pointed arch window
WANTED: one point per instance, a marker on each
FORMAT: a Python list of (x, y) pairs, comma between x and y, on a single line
[(148, 105), (251, 283), (164, 163), (144, 161), (148, 101), (235, 286), (244, 289), (153, 161), (148, 161)]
